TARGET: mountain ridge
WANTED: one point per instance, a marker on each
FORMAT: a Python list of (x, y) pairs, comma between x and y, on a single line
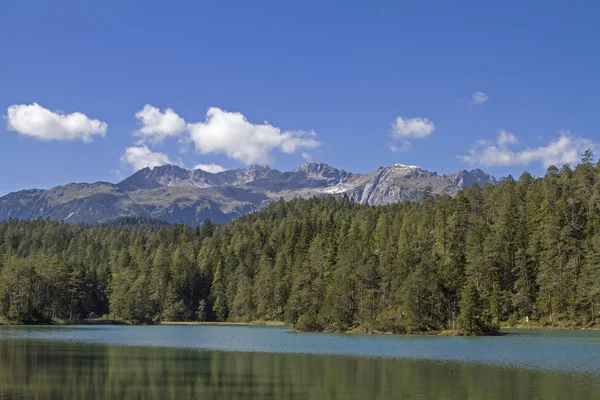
[(175, 194)]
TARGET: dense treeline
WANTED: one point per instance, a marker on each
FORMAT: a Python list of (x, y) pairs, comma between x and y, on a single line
[(522, 249)]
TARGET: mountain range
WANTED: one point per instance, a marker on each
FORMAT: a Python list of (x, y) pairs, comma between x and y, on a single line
[(175, 194)]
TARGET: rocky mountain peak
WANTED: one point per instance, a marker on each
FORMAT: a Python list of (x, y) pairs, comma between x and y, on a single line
[(319, 170), (147, 178), (258, 167), (315, 174), (313, 166), (464, 178), (402, 166), (253, 173), (258, 171), (174, 194), (407, 171)]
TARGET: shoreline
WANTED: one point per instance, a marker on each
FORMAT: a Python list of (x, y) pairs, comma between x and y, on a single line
[(551, 327), (207, 323), (355, 331), (124, 322), (59, 322)]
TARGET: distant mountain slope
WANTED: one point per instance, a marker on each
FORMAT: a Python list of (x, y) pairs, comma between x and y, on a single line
[(174, 194)]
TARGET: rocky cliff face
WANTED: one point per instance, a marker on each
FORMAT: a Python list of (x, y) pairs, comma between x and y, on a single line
[(174, 194)]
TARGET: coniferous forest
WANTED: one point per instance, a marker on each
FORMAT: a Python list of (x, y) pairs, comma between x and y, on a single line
[(524, 249)]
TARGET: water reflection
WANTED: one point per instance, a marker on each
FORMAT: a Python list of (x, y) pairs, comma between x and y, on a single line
[(44, 369)]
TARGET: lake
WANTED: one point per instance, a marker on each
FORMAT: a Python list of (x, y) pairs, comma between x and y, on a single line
[(241, 362)]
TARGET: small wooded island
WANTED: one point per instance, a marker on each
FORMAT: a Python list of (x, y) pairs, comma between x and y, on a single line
[(489, 256)]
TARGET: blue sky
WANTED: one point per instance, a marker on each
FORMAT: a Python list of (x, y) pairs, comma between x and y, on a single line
[(357, 85)]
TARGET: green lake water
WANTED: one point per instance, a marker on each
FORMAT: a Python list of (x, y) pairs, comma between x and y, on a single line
[(235, 362)]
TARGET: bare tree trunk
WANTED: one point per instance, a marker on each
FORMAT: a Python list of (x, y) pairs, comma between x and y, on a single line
[(550, 308)]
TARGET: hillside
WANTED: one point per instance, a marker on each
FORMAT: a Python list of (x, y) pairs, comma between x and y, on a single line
[(174, 194), (498, 255)]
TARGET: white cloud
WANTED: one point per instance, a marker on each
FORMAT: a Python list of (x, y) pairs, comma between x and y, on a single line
[(141, 157), (157, 125), (38, 122), (413, 128), (306, 156), (117, 172), (403, 145), (479, 98), (232, 134), (212, 168), (505, 138), (409, 128), (566, 149)]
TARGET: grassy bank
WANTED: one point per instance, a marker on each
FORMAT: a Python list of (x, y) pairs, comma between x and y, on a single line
[(99, 321), (359, 330), (551, 326), (252, 323)]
